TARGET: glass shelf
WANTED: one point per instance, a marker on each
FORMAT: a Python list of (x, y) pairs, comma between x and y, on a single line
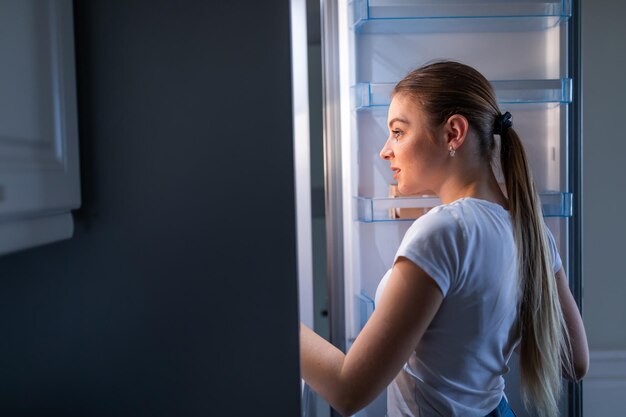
[(366, 95), (387, 209), (415, 16)]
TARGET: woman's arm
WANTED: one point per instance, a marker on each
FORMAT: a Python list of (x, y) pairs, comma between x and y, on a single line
[(575, 327), (350, 382)]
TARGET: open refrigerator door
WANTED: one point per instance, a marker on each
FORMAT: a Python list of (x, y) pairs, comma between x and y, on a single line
[(526, 49)]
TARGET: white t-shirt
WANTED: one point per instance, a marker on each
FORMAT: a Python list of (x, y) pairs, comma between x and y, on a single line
[(468, 248)]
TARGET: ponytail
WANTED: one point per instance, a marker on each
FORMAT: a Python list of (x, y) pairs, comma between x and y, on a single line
[(544, 348)]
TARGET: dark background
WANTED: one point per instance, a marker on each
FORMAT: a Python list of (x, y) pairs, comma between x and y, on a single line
[(177, 294)]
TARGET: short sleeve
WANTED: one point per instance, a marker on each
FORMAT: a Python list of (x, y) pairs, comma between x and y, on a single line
[(556, 258), (434, 243)]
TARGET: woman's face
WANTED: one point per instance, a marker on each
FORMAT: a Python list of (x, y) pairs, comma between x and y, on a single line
[(416, 154)]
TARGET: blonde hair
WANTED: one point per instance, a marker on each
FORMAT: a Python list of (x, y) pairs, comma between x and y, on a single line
[(443, 89)]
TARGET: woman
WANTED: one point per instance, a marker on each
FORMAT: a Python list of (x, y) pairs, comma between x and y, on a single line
[(473, 279)]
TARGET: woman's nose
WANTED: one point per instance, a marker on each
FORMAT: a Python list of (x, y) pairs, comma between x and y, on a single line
[(386, 152)]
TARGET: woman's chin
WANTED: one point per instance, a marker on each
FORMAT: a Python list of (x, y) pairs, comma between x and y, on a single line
[(406, 189), (413, 190)]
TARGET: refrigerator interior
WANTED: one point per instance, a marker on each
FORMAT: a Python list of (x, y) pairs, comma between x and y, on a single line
[(521, 47)]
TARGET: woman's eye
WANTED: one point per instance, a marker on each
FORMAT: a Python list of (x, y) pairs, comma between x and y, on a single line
[(395, 135)]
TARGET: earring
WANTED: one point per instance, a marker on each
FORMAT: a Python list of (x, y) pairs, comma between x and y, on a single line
[(452, 151)]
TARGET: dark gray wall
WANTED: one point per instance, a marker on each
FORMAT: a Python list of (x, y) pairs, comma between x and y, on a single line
[(177, 294), (604, 147)]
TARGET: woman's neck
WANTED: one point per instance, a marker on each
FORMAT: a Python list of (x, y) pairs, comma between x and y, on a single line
[(479, 182)]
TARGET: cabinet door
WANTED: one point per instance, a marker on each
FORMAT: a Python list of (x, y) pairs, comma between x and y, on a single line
[(39, 172)]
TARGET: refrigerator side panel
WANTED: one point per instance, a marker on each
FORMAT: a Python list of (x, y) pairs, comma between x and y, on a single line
[(301, 146)]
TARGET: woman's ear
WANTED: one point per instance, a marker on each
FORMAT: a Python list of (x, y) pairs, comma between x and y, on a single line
[(456, 130)]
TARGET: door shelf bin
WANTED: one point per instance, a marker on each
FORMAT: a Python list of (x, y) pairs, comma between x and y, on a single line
[(365, 95), (384, 209), (381, 16)]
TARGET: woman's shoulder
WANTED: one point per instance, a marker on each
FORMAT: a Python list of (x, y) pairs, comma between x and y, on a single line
[(436, 242), (464, 208), (457, 217), (443, 219), (451, 214)]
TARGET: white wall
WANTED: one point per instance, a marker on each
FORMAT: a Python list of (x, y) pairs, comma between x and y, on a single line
[(604, 202)]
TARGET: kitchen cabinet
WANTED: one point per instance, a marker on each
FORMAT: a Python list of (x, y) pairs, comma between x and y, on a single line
[(39, 167)]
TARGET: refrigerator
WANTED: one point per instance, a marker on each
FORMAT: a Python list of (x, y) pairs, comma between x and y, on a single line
[(528, 50)]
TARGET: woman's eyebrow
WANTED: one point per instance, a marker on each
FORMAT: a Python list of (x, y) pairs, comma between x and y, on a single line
[(398, 119)]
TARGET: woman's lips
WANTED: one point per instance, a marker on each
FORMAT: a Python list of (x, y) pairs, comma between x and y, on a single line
[(396, 171)]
